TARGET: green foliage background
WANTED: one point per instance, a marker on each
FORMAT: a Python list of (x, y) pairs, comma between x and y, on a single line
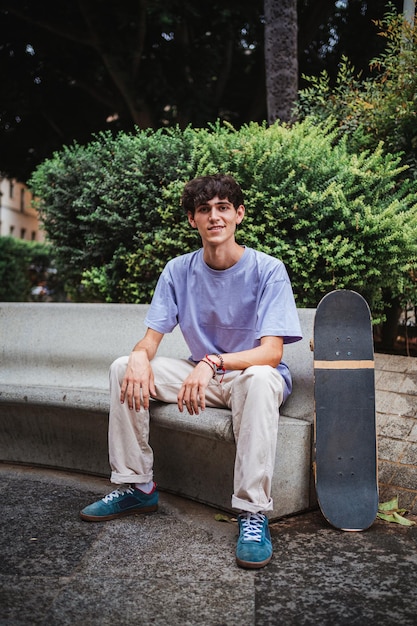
[(17, 257), (338, 220), (381, 108)]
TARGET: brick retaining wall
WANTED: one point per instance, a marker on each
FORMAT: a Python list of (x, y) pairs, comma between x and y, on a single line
[(396, 411)]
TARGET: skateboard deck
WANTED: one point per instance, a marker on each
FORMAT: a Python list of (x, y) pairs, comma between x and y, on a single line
[(345, 425)]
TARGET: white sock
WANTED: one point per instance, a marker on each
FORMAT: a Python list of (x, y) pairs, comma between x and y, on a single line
[(145, 487)]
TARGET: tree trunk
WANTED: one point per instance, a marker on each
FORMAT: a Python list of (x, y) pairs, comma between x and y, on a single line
[(281, 61), (409, 9)]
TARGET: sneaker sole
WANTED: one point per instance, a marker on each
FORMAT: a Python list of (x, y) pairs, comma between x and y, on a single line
[(253, 564), (105, 518)]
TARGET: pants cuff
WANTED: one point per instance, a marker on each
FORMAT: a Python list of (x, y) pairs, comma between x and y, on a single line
[(128, 479), (245, 505)]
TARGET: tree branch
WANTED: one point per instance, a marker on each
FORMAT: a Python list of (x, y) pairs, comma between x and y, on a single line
[(117, 73), (56, 29)]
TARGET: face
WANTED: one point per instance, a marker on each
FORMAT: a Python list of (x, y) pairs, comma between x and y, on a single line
[(216, 220)]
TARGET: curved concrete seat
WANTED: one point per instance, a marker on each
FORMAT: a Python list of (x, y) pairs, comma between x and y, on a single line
[(54, 404)]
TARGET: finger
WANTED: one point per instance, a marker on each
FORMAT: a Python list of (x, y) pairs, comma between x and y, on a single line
[(194, 403), (188, 404), (145, 397), (136, 397), (202, 396), (123, 391), (180, 400), (129, 395), (190, 407)]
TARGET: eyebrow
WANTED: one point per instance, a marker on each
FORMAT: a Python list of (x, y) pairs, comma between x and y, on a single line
[(204, 204)]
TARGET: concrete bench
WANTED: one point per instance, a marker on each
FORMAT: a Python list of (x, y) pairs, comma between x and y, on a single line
[(54, 404)]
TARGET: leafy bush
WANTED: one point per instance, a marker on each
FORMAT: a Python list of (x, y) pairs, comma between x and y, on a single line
[(382, 108), (21, 263), (101, 200), (338, 220)]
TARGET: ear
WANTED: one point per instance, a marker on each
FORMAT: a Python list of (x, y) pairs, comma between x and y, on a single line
[(191, 220), (240, 213)]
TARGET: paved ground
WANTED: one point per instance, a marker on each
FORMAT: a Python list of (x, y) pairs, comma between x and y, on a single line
[(176, 567)]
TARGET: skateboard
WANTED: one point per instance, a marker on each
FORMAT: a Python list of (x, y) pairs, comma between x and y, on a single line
[(345, 426)]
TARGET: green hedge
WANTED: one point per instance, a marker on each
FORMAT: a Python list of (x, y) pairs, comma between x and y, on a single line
[(22, 265), (337, 220)]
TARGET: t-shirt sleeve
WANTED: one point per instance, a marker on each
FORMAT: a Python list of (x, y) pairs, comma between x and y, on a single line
[(277, 312), (162, 314)]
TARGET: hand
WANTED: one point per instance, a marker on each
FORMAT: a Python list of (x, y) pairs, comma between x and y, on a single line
[(138, 382), (193, 390)]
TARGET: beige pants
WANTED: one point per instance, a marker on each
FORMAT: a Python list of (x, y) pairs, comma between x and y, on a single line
[(253, 395)]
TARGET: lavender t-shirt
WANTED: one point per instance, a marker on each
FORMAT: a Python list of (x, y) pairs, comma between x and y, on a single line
[(226, 310)]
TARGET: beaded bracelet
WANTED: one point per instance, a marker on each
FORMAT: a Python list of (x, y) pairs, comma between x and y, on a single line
[(216, 367), (219, 356)]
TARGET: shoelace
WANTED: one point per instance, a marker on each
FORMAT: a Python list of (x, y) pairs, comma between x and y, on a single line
[(120, 491), (252, 526)]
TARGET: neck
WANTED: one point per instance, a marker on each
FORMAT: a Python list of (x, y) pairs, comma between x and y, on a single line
[(221, 258)]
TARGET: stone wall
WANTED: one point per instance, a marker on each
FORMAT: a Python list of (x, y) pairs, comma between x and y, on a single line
[(396, 410)]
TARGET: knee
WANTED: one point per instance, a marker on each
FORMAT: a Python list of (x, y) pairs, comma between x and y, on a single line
[(118, 368), (260, 372), (265, 376)]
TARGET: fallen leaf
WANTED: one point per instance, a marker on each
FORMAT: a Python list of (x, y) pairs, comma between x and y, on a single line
[(402, 520), (224, 518), (390, 512), (391, 505)]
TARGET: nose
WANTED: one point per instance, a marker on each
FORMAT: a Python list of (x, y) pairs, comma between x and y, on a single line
[(213, 215)]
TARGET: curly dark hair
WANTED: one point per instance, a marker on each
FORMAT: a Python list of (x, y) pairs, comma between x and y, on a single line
[(204, 188)]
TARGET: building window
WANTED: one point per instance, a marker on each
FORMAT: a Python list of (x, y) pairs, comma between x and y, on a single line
[(22, 199), (11, 231), (33, 236), (22, 233), (11, 188)]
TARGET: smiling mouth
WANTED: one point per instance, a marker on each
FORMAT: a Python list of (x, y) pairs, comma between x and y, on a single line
[(216, 228)]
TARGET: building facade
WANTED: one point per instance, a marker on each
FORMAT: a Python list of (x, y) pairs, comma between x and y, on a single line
[(18, 218)]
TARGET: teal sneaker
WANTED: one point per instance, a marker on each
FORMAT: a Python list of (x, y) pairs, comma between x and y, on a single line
[(254, 547), (123, 501)]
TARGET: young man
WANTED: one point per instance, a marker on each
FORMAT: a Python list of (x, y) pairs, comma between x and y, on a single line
[(236, 310)]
